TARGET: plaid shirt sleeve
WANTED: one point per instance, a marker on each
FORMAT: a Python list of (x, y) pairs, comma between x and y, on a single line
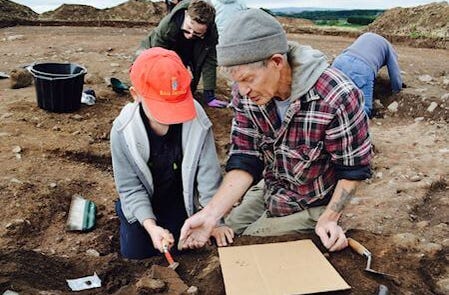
[(347, 139), (245, 138)]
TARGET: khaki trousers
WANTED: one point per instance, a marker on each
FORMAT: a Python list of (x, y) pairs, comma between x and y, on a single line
[(251, 218)]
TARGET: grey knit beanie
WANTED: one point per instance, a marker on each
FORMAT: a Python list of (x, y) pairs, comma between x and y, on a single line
[(252, 35)]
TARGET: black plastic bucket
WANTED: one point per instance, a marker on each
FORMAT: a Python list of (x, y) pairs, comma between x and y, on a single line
[(59, 86)]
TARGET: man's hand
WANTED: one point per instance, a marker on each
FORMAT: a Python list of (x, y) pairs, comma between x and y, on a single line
[(331, 234), (196, 231), (159, 235), (224, 235)]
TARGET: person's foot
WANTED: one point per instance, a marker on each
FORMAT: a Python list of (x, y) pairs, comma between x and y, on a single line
[(215, 103)]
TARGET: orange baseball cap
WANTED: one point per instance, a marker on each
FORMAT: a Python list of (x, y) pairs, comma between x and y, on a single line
[(163, 82)]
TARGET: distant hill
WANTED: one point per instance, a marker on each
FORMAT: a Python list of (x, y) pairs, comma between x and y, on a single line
[(293, 10), (334, 17)]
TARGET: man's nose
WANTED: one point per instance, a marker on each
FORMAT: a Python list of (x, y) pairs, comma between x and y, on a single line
[(244, 90)]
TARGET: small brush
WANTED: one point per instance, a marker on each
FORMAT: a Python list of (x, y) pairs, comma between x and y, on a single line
[(81, 215)]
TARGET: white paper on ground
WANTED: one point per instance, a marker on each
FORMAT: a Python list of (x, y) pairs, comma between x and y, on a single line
[(85, 283)]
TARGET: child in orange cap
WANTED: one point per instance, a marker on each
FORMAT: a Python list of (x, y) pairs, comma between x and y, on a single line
[(164, 158)]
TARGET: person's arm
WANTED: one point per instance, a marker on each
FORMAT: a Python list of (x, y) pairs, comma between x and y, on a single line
[(197, 229), (208, 174), (131, 190), (348, 142), (394, 71), (331, 234), (209, 70), (244, 167), (164, 35)]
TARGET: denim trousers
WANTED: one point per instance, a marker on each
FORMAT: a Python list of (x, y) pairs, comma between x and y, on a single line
[(361, 74)]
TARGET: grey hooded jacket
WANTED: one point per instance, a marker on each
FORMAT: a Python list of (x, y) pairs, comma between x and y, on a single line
[(201, 174), (225, 10)]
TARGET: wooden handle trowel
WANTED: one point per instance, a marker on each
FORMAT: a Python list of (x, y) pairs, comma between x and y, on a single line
[(360, 249)]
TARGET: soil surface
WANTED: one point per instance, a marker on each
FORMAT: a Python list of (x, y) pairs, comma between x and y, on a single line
[(400, 215)]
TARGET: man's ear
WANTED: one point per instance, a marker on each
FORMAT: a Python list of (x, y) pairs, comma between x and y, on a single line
[(134, 94), (277, 60)]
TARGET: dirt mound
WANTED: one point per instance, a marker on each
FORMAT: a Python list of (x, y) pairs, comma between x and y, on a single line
[(133, 10), (12, 11), (73, 12), (421, 21)]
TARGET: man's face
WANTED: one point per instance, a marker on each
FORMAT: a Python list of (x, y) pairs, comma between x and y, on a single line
[(260, 84), (192, 29)]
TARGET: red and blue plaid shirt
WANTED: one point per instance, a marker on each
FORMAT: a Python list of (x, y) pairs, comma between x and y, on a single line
[(324, 130)]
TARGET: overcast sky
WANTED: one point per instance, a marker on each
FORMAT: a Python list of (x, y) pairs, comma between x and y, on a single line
[(44, 5)]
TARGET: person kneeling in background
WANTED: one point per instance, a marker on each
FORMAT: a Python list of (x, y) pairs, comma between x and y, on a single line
[(163, 156), (363, 59)]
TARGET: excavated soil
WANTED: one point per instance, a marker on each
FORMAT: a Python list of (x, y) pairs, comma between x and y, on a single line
[(12, 11), (425, 20), (136, 10), (128, 14), (400, 215)]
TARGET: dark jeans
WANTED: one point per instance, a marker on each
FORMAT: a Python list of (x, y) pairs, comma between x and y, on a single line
[(361, 74), (135, 242)]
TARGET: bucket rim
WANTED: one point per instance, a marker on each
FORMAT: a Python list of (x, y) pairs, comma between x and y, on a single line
[(50, 76)]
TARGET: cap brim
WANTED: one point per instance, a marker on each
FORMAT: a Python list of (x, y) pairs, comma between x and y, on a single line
[(172, 113)]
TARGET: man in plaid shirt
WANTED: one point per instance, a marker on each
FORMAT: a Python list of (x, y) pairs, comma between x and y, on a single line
[(299, 125)]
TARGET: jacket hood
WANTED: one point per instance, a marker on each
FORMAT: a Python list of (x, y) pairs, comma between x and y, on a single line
[(307, 66)]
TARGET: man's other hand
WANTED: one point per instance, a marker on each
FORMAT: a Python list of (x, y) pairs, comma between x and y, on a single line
[(196, 231)]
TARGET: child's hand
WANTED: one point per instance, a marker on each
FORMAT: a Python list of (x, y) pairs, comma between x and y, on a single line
[(223, 235), (159, 235)]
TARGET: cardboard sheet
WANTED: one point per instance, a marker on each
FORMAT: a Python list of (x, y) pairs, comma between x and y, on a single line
[(296, 267)]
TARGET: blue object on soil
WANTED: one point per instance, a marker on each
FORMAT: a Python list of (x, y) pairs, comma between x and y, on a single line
[(118, 86)]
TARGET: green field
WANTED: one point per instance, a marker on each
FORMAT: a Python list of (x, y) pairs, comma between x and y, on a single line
[(340, 18)]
